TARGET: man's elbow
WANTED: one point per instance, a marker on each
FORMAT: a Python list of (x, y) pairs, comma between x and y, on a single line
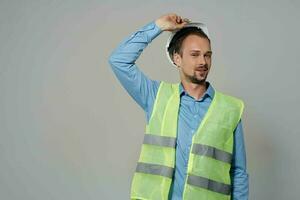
[(112, 59)]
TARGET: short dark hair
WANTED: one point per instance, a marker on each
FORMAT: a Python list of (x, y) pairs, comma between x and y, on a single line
[(177, 40)]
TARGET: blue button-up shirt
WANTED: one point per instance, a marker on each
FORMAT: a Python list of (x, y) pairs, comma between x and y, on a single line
[(191, 111)]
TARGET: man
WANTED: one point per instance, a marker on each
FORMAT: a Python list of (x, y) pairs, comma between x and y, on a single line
[(193, 147)]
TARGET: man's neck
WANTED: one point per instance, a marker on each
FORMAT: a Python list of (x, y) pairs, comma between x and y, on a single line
[(194, 90)]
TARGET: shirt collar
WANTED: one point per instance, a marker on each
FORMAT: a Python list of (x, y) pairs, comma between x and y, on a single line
[(210, 91)]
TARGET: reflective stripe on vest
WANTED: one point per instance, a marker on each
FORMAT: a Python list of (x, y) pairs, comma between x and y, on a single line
[(212, 152), (209, 184), (155, 169), (159, 140)]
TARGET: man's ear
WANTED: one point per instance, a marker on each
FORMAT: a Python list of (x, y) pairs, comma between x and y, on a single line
[(177, 59)]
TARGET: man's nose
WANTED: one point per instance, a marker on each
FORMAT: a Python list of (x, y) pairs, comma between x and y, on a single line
[(201, 60)]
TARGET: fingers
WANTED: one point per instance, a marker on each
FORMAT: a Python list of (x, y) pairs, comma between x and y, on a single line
[(180, 20), (173, 21)]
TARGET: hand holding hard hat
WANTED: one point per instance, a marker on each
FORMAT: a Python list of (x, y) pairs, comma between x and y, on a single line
[(171, 22)]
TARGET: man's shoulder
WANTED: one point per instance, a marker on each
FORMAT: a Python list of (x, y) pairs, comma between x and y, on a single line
[(230, 98), (227, 95)]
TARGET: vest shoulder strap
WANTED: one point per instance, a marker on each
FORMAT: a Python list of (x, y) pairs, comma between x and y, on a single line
[(231, 102), (164, 93), (166, 98)]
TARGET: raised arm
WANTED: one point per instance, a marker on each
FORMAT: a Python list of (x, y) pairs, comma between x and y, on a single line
[(122, 60)]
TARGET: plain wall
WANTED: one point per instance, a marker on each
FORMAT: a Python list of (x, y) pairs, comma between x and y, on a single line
[(68, 129)]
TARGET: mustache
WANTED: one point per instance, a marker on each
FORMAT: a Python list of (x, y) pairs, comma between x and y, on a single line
[(204, 67)]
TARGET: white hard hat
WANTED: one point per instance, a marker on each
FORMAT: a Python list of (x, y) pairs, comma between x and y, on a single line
[(199, 25)]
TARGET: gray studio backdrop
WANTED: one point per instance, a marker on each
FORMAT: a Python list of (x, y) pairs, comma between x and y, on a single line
[(68, 130)]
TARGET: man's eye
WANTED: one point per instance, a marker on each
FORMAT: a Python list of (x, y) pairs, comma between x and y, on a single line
[(194, 54)]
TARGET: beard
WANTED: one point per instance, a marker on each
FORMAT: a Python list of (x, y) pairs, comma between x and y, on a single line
[(195, 78)]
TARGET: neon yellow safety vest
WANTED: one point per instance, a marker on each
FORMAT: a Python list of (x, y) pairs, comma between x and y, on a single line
[(208, 171)]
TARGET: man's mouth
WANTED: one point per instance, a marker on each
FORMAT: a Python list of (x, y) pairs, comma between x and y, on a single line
[(201, 69)]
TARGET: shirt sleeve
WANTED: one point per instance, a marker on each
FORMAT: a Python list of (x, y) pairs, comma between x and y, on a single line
[(122, 61), (238, 171)]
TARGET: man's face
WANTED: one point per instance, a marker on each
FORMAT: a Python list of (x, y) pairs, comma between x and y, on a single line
[(195, 62)]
